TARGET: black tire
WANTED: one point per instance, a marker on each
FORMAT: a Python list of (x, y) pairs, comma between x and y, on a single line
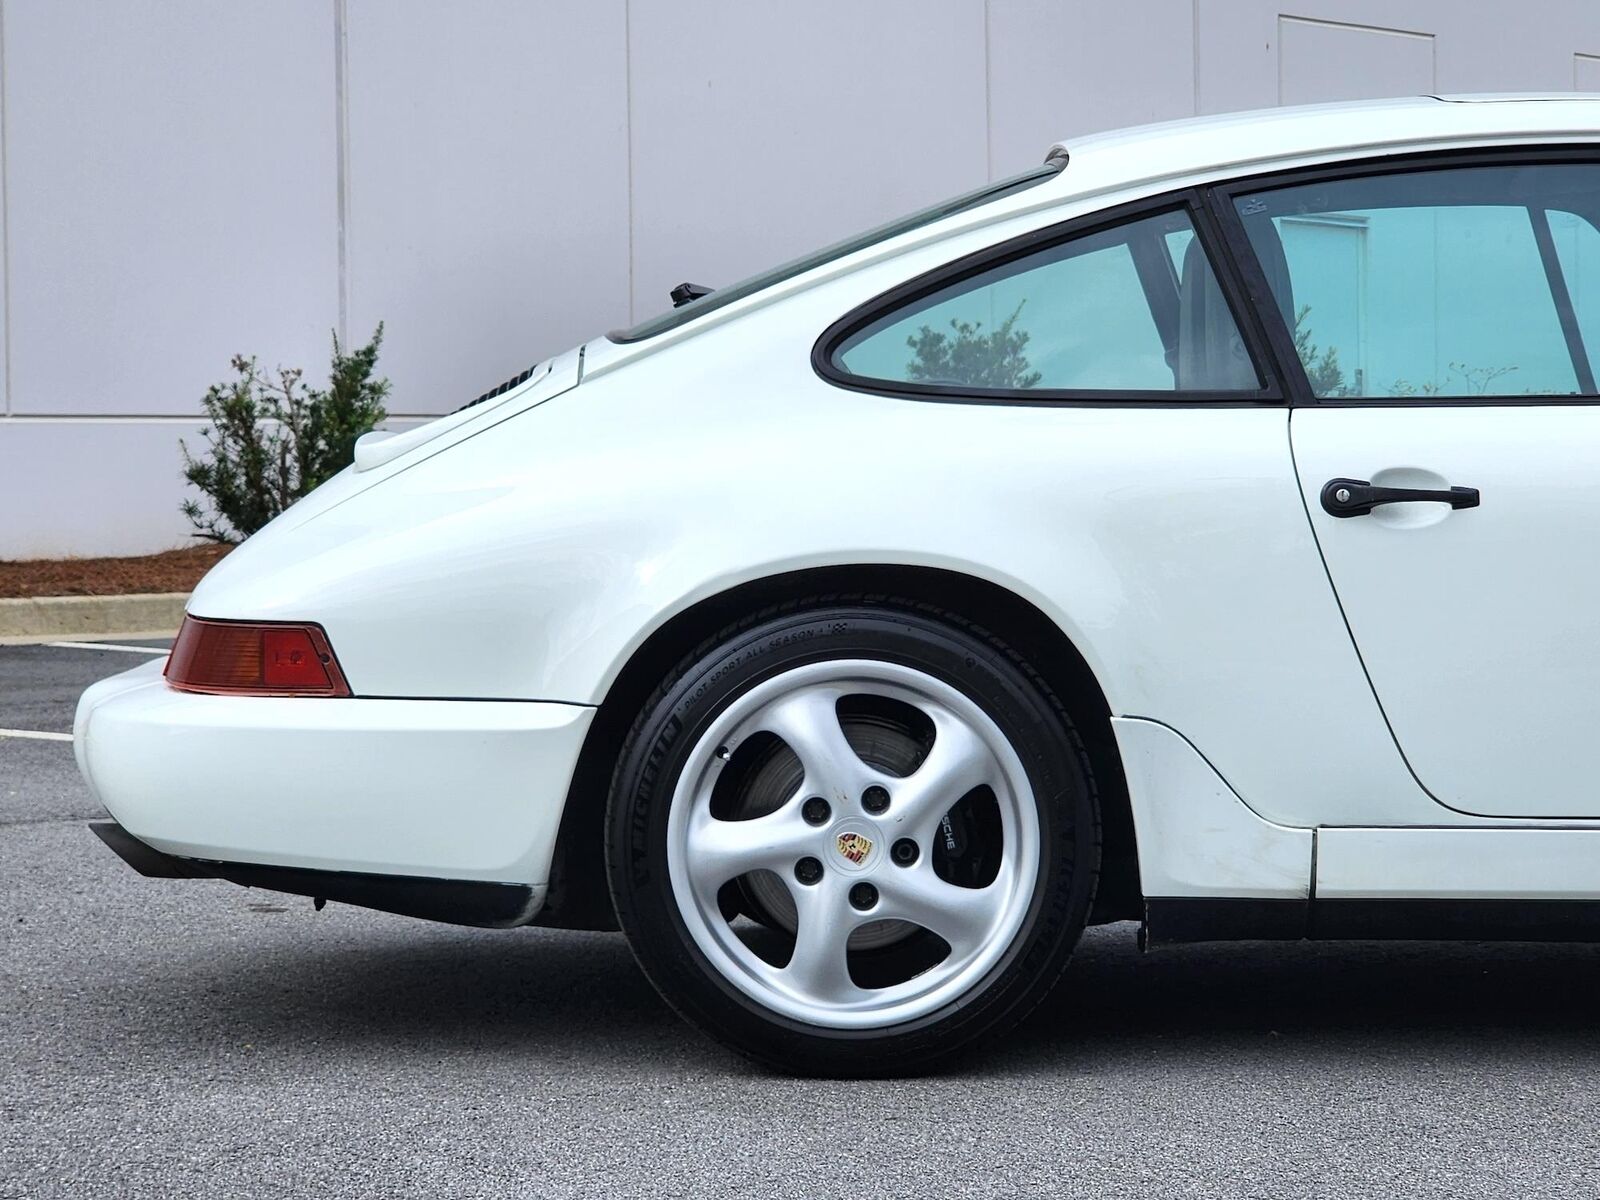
[(988, 672)]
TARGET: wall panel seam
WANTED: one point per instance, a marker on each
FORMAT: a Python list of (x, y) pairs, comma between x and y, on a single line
[(988, 97), (5, 223), (341, 136), (1194, 52), (627, 128)]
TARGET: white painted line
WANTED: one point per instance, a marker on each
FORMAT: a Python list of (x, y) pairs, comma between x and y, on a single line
[(35, 733), (107, 646)]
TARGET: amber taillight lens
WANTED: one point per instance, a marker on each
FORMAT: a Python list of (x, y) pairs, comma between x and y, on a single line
[(236, 659)]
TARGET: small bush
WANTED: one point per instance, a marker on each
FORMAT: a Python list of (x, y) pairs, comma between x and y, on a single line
[(270, 440)]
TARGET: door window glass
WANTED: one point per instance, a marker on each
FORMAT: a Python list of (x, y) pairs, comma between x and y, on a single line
[(1577, 244), (1461, 282)]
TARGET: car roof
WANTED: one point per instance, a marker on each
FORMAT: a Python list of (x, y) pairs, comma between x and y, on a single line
[(1243, 142), (1154, 158)]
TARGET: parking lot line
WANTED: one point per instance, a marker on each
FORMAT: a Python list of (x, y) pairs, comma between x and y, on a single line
[(36, 733), (107, 646)]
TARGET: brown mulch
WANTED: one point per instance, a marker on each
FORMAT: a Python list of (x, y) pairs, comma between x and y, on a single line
[(173, 571)]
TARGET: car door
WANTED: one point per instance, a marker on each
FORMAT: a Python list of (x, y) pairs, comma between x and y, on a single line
[(1447, 442)]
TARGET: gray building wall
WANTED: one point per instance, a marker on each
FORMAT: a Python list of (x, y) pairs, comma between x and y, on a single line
[(497, 180)]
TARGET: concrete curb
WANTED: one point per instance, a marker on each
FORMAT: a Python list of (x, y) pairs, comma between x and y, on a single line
[(151, 614)]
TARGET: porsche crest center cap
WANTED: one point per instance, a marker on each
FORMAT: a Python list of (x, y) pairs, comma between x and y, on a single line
[(855, 848)]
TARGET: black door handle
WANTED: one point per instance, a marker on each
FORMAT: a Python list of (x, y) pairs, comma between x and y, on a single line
[(1357, 497)]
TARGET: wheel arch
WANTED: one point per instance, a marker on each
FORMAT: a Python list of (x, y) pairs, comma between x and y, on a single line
[(578, 895)]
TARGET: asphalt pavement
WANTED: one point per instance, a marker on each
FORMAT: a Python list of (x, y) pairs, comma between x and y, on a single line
[(165, 1038)]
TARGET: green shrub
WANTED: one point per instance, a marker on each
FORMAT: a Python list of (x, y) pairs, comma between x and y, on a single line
[(270, 440)]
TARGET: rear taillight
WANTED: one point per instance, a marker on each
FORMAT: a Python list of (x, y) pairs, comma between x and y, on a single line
[(234, 658)]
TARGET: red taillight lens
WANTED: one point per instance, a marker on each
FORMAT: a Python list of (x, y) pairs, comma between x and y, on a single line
[(232, 658)]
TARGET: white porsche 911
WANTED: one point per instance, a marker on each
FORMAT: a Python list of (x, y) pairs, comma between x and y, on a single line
[(1197, 529)]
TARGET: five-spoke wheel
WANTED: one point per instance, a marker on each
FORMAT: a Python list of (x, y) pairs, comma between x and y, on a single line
[(856, 844)]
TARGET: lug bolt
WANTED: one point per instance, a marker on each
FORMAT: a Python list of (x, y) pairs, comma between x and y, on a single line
[(875, 799), (815, 810), (904, 852), (863, 896), (808, 870)]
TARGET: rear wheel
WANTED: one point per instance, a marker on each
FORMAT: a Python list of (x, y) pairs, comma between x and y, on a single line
[(853, 839)]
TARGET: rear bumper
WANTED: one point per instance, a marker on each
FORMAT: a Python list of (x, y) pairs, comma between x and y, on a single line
[(428, 790)]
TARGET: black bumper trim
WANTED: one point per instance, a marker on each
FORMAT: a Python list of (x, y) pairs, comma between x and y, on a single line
[(1433, 920), (453, 901), (145, 859), (1170, 920)]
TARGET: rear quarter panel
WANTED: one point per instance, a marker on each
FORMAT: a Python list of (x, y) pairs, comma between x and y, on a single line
[(1169, 543)]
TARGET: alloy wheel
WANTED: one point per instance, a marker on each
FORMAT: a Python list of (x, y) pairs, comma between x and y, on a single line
[(888, 870)]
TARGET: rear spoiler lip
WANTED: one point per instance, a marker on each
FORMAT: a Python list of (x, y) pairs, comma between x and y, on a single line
[(144, 858), (482, 903)]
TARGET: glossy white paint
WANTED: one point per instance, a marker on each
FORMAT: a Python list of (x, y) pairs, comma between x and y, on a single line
[(526, 553), (445, 789), (376, 448), (1466, 864), (537, 561), (377, 460), (1196, 838), (1480, 627), (581, 527)]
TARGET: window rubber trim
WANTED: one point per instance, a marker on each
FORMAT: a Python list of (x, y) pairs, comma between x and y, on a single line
[(1220, 198), (1190, 201)]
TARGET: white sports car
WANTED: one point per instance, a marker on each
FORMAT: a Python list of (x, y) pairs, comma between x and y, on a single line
[(1197, 529)]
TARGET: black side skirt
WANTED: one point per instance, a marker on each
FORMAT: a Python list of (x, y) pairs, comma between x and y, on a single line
[(1175, 919), (455, 901)]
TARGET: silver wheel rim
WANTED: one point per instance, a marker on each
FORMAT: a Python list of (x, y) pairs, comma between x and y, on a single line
[(854, 846)]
